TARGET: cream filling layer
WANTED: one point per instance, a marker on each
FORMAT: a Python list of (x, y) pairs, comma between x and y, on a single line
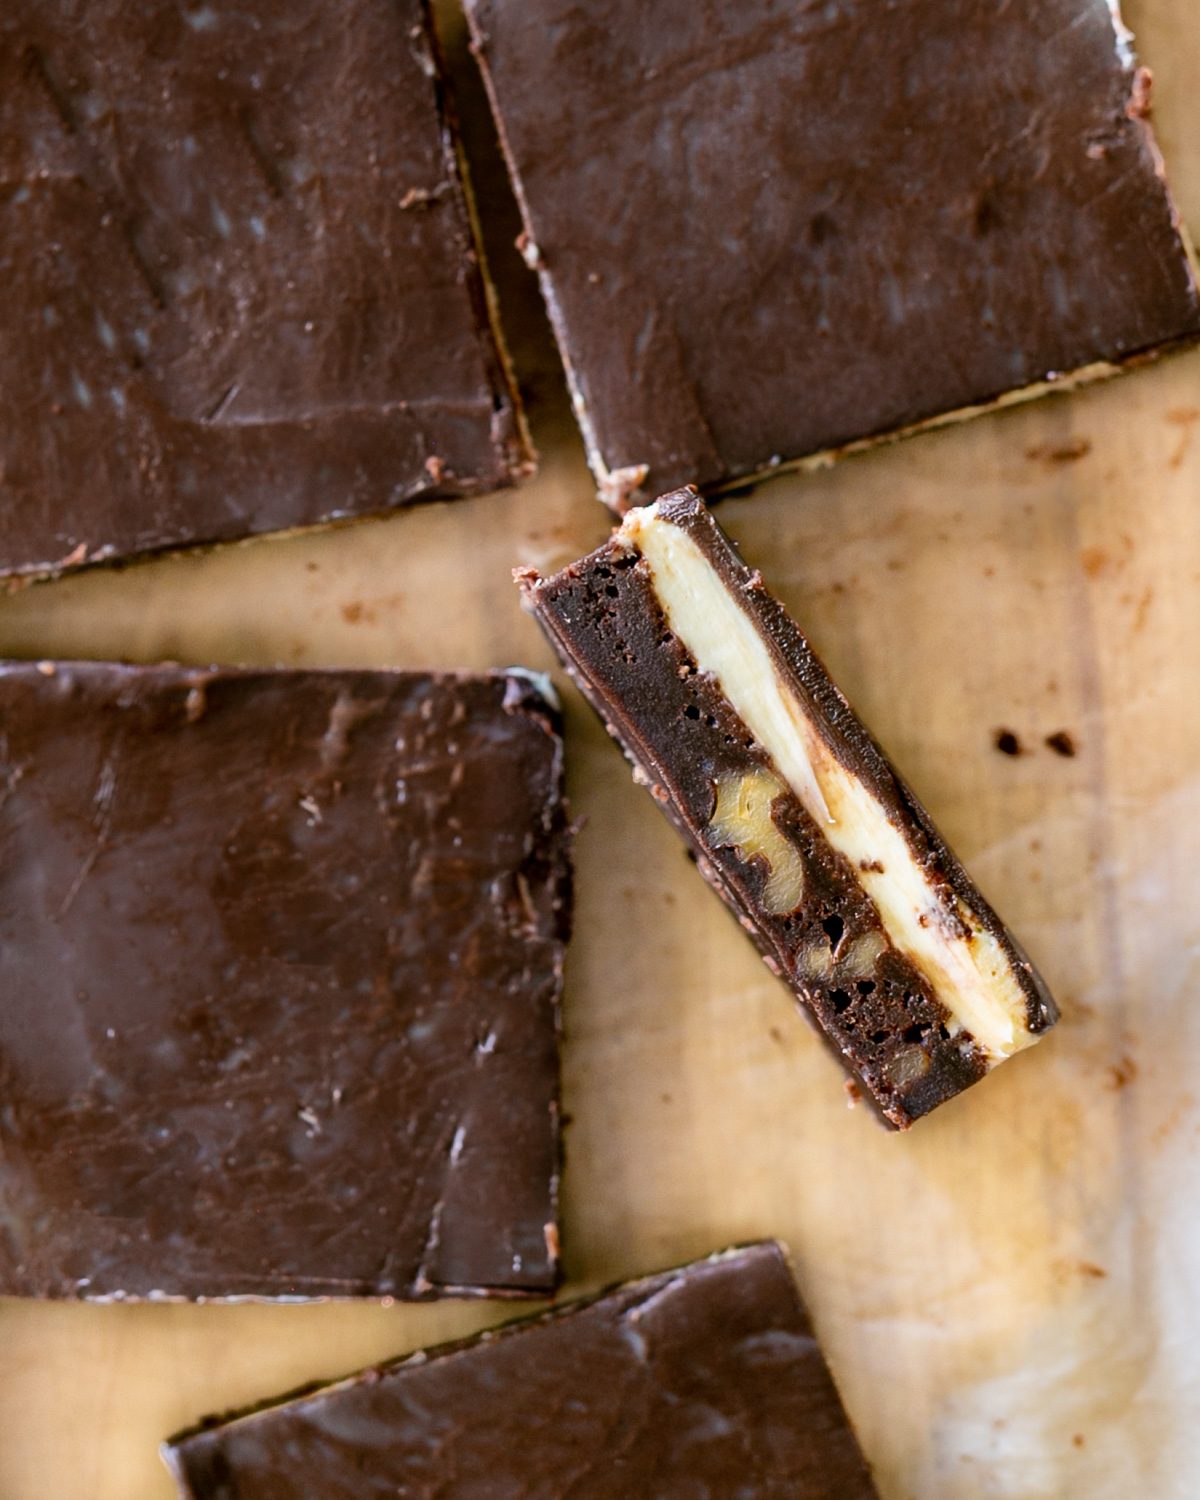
[(969, 971)]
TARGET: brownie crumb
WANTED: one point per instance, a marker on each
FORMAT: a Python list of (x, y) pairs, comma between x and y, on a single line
[(1062, 743), (1007, 743)]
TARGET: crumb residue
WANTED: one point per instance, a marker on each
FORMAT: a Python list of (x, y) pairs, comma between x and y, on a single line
[(1062, 743), (1068, 1269), (367, 612), (1094, 560), (1062, 453), (1185, 418), (1098, 561), (1121, 1074)]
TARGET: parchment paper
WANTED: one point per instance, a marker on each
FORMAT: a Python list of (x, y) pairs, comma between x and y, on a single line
[(1008, 1295)]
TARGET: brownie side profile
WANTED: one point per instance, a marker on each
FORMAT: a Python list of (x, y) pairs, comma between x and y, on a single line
[(280, 963), (767, 232), (886, 981), (702, 1381), (241, 290)]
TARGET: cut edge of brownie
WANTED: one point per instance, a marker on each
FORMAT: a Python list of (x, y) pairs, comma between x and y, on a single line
[(772, 1249), (533, 259), (520, 456), (625, 499)]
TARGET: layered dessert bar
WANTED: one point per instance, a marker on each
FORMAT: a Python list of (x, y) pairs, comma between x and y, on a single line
[(794, 814), (705, 1381), (241, 290), (769, 232), (280, 963)]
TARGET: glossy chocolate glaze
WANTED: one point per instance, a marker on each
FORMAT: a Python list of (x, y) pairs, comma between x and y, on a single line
[(280, 963), (766, 230), (240, 289), (705, 1381), (603, 618)]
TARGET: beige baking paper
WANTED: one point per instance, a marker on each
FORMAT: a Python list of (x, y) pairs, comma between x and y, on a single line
[(1009, 1295)]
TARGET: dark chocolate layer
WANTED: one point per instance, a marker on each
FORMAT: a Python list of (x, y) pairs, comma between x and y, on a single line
[(766, 231), (870, 1001), (280, 962), (705, 1381), (240, 289)]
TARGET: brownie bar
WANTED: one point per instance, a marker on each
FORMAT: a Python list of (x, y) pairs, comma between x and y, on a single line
[(280, 963), (766, 232), (241, 290), (796, 818), (702, 1381)]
